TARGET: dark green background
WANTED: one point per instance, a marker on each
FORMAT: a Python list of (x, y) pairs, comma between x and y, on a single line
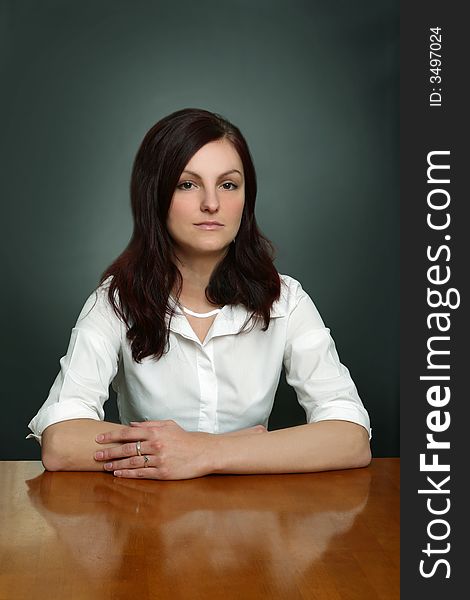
[(314, 88)]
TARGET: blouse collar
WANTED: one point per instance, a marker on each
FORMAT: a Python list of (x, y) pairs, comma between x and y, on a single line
[(229, 321)]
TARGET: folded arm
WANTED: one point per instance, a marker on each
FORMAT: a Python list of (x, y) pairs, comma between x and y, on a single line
[(322, 446), (173, 453), (70, 445)]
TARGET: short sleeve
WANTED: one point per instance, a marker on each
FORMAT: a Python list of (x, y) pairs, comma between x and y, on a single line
[(322, 383), (82, 385)]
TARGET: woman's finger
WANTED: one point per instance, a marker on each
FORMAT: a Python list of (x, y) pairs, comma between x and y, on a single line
[(134, 462), (124, 451), (148, 473), (126, 434)]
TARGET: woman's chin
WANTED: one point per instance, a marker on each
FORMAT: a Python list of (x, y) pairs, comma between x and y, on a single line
[(207, 249), (213, 249)]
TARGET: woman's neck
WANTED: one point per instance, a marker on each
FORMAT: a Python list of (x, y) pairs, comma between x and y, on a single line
[(196, 273), (197, 269)]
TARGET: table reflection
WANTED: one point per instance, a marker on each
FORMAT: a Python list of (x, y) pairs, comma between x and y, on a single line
[(212, 527)]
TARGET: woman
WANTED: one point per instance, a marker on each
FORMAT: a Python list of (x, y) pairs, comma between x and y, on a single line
[(192, 324)]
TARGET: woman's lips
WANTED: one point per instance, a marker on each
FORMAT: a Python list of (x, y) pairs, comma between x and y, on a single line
[(209, 226)]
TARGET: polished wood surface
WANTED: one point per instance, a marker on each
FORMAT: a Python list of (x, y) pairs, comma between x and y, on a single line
[(78, 535)]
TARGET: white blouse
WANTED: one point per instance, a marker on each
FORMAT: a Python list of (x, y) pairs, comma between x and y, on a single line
[(225, 383)]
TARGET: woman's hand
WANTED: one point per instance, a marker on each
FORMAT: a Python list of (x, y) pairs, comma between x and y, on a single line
[(172, 452)]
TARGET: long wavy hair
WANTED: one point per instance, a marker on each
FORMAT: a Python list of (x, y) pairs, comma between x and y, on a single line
[(146, 273)]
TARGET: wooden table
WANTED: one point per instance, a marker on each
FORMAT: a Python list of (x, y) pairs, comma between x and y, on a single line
[(332, 535)]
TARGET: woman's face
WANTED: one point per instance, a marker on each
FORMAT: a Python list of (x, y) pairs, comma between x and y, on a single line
[(207, 204)]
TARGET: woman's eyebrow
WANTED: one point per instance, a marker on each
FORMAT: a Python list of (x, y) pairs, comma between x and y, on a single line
[(221, 175)]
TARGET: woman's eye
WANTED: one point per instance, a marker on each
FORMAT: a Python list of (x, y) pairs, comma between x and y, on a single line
[(185, 185), (188, 185)]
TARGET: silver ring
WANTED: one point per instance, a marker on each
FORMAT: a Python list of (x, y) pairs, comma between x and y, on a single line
[(137, 446), (146, 459)]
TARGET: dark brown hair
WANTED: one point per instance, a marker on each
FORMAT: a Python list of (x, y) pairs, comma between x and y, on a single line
[(145, 273)]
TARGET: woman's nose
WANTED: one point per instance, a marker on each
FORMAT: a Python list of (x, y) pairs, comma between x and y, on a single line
[(210, 200)]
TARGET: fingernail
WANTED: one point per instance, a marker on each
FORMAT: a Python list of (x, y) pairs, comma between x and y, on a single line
[(108, 466), (99, 437), (99, 455), (117, 473)]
